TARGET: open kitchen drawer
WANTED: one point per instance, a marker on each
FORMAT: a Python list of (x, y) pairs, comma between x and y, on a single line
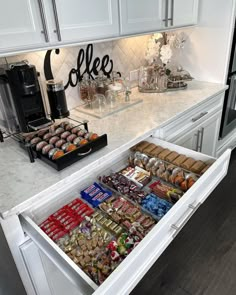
[(132, 269)]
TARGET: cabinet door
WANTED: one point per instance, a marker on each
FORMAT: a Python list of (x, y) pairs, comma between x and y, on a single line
[(209, 133), (204, 137), (183, 12), (188, 140), (21, 24), (78, 20), (137, 16)]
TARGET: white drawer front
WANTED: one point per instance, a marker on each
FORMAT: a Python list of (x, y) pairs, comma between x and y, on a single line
[(190, 119), (132, 269), (58, 257)]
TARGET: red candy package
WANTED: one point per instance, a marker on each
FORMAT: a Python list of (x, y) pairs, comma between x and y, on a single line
[(66, 219)]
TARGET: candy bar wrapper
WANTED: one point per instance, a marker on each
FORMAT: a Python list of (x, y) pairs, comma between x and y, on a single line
[(58, 235), (75, 203), (66, 219), (100, 198), (108, 223), (95, 194), (125, 186), (165, 191), (48, 224), (80, 210), (90, 189), (54, 232), (72, 225), (58, 213), (88, 212), (52, 229), (128, 215)]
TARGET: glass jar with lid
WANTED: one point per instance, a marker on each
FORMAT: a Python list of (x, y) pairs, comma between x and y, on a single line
[(84, 88), (152, 79), (102, 83)]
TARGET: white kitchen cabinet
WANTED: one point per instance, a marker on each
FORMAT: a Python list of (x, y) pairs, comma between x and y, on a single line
[(40, 23), (183, 12), (79, 20), (188, 140), (138, 16), (209, 133), (134, 267), (198, 129), (22, 25), (36, 24), (204, 137), (46, 276)]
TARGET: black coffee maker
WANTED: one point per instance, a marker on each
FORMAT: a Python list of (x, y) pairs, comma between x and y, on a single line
[(27, 96)]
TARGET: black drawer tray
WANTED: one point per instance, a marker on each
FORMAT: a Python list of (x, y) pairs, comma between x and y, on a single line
[(76, 155), (71, 157)]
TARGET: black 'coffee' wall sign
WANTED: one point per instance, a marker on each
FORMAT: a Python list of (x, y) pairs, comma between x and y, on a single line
[(91, 67)]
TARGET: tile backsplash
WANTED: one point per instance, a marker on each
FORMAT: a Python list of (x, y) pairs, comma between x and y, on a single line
[(127, 55)]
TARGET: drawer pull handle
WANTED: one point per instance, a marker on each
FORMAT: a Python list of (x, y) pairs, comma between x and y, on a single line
[(178, 228), (85, 153), (194, 119)]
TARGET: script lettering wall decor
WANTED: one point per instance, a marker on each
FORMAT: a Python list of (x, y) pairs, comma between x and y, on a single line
[(85, 57)]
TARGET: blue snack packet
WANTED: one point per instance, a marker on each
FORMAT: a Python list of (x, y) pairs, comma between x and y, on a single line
[(95, 194)]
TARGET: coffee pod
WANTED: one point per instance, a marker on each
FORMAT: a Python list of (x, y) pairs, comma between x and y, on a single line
[(47, 148), (40, 145)]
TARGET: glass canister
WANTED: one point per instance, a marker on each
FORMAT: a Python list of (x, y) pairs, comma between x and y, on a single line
[(84, 88), (152, 79), (87, 89), (102, 83), (57, 99), (92, 90), (162, 79)]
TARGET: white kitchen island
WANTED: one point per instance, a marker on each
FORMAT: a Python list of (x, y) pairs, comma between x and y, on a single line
[(25, 186)]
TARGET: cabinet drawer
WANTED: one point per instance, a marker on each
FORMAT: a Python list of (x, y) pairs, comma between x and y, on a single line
[(190, 119), (136, 264)]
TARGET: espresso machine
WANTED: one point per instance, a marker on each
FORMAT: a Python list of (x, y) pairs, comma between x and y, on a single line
[(27, 96), (21, 89)]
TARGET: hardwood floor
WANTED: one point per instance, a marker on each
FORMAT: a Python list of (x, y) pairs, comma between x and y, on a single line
[(202, 258)]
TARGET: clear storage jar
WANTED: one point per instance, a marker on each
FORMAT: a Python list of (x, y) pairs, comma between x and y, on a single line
[(152, 79)]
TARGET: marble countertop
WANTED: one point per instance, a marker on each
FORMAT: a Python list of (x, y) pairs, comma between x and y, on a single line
[(21, 182)]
